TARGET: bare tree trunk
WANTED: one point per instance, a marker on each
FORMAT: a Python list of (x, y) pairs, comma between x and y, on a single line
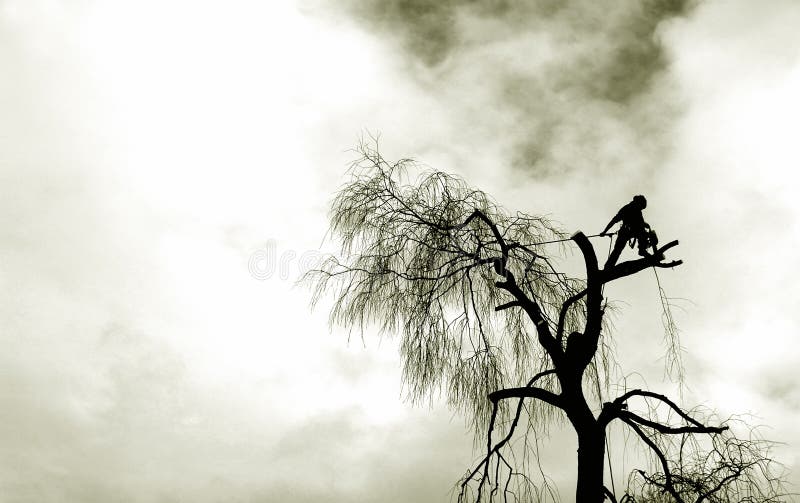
[(591, 440), (591, 449)]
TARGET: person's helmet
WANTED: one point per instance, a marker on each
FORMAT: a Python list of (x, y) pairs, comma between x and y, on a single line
[(640, 201)]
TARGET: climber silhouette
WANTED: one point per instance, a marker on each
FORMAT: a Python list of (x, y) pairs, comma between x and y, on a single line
[(633, 228)]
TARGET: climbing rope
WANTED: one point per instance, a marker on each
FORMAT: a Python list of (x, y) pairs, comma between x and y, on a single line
[(608, 452), (609, 234)]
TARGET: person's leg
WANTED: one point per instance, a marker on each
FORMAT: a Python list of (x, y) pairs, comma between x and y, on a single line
[(619, 244), (643, 242)]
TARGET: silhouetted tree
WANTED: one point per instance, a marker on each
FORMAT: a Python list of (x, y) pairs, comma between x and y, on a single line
[(486, 319)]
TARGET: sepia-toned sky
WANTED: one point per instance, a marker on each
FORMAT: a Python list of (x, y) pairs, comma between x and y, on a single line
[(165, 171)]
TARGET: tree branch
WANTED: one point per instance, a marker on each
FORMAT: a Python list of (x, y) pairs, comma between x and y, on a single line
[(534, 312), (509, 284), (495, 450), (613, 409), (507, 305), (627, 416), (631, 267), (609, 494), (527, 392), (584, 348), (661, 458)]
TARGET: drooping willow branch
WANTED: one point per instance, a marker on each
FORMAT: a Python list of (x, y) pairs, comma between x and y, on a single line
[(495, 450), (431, 259), (716, 468)]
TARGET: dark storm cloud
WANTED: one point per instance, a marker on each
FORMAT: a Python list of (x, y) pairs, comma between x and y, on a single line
[(430, 31), (577, 84), (427, 29)]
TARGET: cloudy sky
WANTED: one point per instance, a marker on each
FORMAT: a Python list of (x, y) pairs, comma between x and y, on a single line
[(166, 166)]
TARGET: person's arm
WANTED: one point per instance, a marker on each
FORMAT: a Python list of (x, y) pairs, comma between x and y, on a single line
[(614, 220)]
